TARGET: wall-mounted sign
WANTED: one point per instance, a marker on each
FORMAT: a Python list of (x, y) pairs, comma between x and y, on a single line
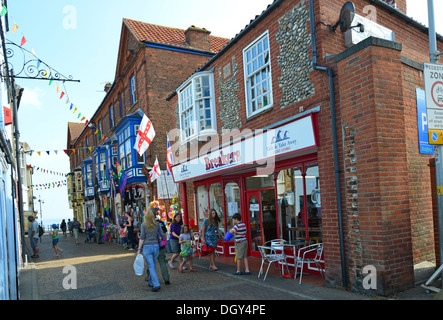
[(372, 29), (262, 149), (422, 121), (433, 74)]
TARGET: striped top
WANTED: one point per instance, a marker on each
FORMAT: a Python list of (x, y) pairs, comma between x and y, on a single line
[(240, 232)]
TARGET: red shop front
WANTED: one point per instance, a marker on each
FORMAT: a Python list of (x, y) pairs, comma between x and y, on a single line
[(271, 178)]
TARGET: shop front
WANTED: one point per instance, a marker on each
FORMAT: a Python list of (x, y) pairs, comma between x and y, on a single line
[(271, 178)]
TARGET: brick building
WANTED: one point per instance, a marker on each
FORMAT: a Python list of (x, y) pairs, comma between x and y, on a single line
[(273, 138), (152, 61)]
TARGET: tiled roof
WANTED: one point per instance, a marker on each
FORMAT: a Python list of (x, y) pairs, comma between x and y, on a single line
[(75, 128), (167, 35)]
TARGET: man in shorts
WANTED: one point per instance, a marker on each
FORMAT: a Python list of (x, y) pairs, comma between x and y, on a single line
[(33, 236), (241, 244)]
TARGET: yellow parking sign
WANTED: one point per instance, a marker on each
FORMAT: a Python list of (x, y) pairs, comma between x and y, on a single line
[(435, 136)]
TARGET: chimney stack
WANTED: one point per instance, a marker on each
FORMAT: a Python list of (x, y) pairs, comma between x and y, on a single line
[(198, 38)]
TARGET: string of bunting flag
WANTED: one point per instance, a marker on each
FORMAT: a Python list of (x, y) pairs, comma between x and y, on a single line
[(49, 185), (43, 170), (46, 73), (90, 149)]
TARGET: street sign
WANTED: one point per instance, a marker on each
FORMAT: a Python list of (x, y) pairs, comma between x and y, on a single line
[(433, 74)]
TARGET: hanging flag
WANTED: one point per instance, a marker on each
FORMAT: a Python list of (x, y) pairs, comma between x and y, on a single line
[(4, 11), (23, 41), (122, 178), (50, 81), (145, 135), (155, 172), (61, 96), (14, 28), (169, 158)]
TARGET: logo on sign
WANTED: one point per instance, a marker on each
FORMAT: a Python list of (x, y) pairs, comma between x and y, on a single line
[(437, 93), (434, 136)]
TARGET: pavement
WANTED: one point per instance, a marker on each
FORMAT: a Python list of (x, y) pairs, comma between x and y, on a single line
[(105, 272)]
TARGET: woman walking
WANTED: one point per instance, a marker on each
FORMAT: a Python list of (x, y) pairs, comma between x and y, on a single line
[(150, 230), (130, 227), (176, 226), (209, 235)]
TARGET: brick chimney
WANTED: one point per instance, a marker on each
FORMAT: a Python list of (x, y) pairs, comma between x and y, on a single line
[(198, 38)]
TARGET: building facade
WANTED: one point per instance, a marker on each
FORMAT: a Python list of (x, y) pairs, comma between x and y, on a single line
[(311, 134), (152, 61)]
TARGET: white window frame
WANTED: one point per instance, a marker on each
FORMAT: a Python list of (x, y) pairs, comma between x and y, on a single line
[(187, 93), (260, 66), (133, 90)]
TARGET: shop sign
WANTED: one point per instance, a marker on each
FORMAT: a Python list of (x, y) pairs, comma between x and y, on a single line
[(423, 140), (372, 29), (433, 75), (262, 149)]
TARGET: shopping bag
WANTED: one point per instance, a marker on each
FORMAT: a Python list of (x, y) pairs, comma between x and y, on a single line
[(186, 251), (139, 265)]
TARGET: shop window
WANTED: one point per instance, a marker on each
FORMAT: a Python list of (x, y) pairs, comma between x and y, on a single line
[(313, 204), (259, 182), (299, 225), (216, 202), (289, 193), (202, 205), (232, 196)]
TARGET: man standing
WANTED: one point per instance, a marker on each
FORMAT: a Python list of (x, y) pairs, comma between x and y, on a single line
[(98, 222), (33, 236)]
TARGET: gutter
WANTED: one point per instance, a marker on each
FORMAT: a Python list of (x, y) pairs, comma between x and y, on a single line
[(334, 138)]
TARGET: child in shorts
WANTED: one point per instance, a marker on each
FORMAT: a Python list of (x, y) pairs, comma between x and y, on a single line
[(241, 244), (123, 235), (54, 236)]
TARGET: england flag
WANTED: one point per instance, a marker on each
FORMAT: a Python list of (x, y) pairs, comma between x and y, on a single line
[(145, 135), (155, 172), (169, 158)]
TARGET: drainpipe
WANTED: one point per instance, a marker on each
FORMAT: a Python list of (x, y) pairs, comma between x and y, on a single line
[(334, 138)]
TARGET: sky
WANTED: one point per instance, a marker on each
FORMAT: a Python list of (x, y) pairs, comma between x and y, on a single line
[(80, 39)]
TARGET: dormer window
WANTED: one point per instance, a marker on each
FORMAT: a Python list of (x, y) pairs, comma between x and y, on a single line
[(197, 106)]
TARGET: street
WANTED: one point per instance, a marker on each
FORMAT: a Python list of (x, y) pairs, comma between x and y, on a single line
[(105, 272)]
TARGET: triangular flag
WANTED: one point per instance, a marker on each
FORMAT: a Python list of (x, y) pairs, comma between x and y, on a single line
[(46, 74), (66, 151), (47, 152), (14, 28), (70, 108), (58, 89), (82, 118), (75, 110), (38, 152), (61, 96), (79, 114), (33, 54), (50, 81), (4, 11), (23, 39)]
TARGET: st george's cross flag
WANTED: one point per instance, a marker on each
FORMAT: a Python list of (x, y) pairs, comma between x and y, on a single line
[(155, 172), (169, 158), (145, 135)]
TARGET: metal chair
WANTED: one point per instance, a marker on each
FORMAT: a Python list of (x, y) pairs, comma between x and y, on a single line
[(302, 259), (269, 255)]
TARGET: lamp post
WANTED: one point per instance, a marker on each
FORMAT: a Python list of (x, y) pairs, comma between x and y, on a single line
[(41, 214)]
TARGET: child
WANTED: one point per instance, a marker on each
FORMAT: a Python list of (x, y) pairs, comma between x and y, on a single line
[(123, 234), (241, 244), (185, 238), (54, 236)]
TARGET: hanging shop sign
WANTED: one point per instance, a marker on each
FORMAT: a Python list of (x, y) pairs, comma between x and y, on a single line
[(261, 149)]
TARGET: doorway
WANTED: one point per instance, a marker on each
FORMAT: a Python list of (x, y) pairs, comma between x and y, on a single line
[(262, 218)]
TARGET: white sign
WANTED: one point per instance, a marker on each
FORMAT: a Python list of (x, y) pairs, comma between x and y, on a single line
[(166, 188), (261, 150), (372, 29), (433, 74)]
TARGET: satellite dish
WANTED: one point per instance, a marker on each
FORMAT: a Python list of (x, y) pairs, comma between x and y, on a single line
[(346, 17), (347, 14)]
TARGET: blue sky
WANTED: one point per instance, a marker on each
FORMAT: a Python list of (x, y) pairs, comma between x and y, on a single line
[(80, 39)]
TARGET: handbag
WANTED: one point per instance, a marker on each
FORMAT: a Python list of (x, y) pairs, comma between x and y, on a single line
[(139, 265), (186, 251), (205, 250)]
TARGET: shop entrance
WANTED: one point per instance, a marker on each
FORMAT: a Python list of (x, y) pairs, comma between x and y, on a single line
[(262, 219)]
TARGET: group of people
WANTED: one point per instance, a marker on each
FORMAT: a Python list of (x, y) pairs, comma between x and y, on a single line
[(153, 240)]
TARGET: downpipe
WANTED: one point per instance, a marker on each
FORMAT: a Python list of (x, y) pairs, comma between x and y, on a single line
[(334, 138)]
